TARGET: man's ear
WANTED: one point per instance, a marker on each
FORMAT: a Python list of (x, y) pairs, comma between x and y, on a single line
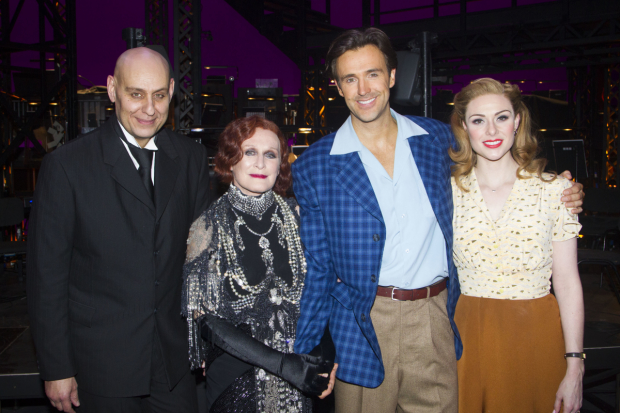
[(111, 88), (171, 89), (338, 87), (392, 77)]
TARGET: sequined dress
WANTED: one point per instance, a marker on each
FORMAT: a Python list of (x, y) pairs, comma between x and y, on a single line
[(245, 264)]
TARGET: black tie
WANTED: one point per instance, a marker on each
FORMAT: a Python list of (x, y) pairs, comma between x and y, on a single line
[(145, 160)]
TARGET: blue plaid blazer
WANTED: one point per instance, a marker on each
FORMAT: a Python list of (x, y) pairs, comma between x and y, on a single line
[(343, 232)]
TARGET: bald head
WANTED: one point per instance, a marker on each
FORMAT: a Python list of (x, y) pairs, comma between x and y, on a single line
[(141, 90), (134, 59)]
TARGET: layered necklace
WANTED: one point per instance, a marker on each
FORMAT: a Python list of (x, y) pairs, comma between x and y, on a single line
[(251, 205), (288, 238)]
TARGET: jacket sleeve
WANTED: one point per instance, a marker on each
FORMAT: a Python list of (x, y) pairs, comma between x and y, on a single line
[(316, 301), (203, 196), (50, 243)]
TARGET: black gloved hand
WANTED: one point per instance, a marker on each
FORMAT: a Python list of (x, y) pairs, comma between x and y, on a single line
[(302, 371)]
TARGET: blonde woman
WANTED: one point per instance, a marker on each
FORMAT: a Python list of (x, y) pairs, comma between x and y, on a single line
[(523, 346)]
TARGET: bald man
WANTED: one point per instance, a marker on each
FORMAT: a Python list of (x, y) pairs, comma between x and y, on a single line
[(106, 249)]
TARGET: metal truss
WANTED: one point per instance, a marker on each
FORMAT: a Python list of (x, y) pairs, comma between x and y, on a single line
[(525, 47), (314, 86), (187, 64), (582, 106), (156, 20), (612, 99), (60, 14)]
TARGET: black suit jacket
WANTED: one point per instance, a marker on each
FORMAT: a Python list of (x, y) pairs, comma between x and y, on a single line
[(105, 264)]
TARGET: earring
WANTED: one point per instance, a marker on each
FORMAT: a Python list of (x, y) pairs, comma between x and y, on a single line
[(515, 132)]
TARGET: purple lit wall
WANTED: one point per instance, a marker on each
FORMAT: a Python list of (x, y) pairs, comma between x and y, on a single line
[(235, 42)]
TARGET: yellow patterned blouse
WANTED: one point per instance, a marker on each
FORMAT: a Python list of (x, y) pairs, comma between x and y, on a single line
[(510, 258)]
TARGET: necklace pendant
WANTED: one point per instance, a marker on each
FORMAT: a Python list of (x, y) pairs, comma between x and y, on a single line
[(263, 242), (275, 296)]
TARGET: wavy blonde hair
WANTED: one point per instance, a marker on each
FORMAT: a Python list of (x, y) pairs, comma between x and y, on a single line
[(525, 147)]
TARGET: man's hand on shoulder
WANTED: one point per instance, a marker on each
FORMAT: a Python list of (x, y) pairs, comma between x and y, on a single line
[(63, 394), (573, 196)]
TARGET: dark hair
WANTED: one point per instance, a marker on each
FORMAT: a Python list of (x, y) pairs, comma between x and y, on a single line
[(356, 39), (229, 150)]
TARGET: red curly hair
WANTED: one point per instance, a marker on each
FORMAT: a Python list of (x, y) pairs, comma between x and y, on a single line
[(229, 150)]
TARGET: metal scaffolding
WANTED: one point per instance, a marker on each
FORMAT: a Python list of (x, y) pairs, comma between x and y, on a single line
[(17, 125), (187, 64), (314, 100), (156, 21), (611, 112)]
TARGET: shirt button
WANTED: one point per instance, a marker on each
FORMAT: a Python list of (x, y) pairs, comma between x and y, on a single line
[(155, 253), (155, 311), (407, 250), (156, 283), (376, 237), (403, 216), (373, 278), (363, 317)]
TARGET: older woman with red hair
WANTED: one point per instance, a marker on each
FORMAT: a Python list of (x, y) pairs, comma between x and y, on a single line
[(245, 271)]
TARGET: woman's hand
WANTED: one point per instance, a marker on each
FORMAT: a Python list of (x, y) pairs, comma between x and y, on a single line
[(332, 381), (570, 392)]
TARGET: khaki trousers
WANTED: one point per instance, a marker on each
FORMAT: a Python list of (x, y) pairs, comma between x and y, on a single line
[(417, 346)]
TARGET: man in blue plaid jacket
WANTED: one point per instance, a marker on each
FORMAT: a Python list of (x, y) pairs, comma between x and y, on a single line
[(376, 222)]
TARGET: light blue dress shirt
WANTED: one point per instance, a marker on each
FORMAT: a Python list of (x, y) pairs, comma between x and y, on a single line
[(415, 250)]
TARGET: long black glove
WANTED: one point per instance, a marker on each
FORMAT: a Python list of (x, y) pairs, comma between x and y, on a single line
[(301, 370)]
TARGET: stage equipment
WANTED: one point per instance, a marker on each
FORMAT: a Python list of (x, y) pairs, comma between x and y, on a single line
[(187, 64), (407, 91), (12, 215), (570, 155), (593, 98), (314, 98), (93, 110), (217, 104), (156, 23), (414, 73), (133, 37), (265, 101), (56, 94)]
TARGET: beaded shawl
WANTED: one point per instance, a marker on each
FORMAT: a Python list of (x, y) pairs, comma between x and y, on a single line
[(214, 279)]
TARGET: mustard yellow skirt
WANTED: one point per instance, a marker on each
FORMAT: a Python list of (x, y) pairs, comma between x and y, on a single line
[(513, 354)]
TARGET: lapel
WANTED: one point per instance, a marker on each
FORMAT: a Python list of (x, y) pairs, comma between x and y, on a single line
[(122, 170), (427, 152), (166, 171), (354, 181)]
